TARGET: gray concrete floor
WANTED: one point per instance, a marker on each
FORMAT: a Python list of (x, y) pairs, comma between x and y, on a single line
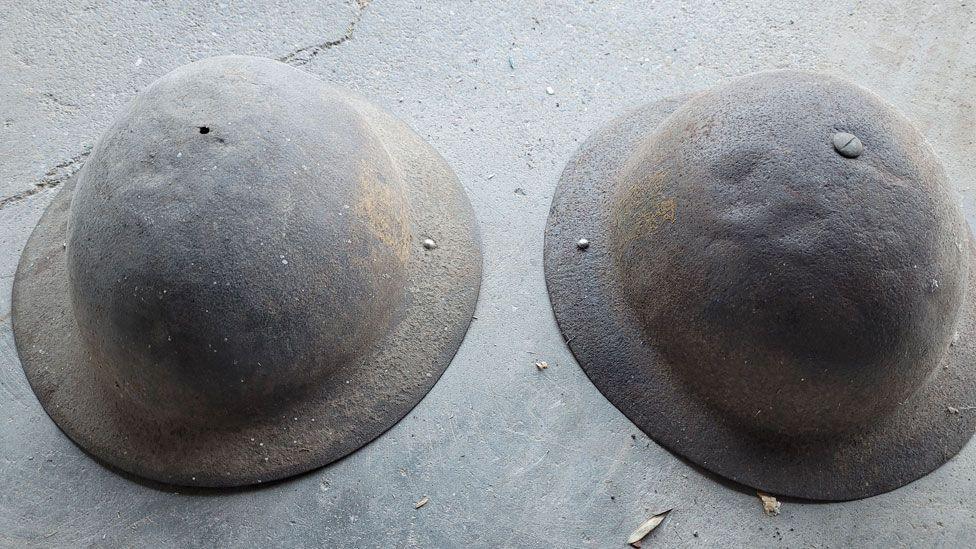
[(508, 455)]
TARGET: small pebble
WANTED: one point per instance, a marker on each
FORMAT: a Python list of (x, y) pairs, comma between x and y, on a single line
[(583, 244), (429, 244), (550, 91)]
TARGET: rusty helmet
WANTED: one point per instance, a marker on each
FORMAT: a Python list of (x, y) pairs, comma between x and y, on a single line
[(240, 285), (776, 284)]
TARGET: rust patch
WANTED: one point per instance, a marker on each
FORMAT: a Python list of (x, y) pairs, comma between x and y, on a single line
[(643, 214), (382, 211)]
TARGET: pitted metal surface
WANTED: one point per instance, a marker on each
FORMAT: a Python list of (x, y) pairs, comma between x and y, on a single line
[(238, 290), (799, 291), (765, 306)]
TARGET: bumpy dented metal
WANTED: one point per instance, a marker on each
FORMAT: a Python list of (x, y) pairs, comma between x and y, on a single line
[(792, 288), (763, 300), (222, 273), (243, 282)]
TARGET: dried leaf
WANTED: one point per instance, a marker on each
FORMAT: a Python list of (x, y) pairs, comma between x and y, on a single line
[(770, 505), (648, 525), (423, 501), (542, 365)]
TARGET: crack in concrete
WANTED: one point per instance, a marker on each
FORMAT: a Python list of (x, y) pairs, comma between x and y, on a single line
[(303, 56), (54, 177), (61, 172)]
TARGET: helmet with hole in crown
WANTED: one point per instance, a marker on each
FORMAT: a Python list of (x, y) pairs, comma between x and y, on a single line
[(243, 293)]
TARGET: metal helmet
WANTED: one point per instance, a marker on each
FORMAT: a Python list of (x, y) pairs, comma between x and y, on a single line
[(776, 284), (254, 274)]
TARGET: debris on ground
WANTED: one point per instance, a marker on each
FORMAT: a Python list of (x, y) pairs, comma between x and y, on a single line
[(646, 527), (550, 91), (423, 501), (542, 365), (770, 505), (520, 191)]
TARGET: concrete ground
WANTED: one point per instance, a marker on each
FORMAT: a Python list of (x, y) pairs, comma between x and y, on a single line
[(508, 455)]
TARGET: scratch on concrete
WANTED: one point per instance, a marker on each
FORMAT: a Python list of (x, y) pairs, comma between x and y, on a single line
[(57, 103), (54, 177), (303, 56)]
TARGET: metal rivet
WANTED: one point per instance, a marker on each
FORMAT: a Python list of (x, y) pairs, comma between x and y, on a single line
[(582, 243), (848, 145), (429, 244)]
